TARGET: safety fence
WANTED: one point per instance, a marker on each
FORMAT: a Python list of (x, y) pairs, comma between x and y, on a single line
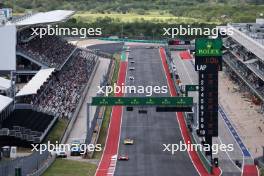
[(93, 130), (25, 165), (201, 155), (134, 40)]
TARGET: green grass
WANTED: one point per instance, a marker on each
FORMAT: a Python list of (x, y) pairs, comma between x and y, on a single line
[(107, 114), (262, 172), (103, 132), (63, 167), (150, 16), (57, 131)]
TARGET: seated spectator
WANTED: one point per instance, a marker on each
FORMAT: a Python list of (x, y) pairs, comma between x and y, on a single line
[(50, 50), (66, 87)]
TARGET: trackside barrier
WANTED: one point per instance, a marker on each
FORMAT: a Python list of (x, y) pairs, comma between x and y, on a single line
[(95, 130), (204, 160), (92, 127), (169, 60), (44, 167), (181, 47), (28, 164), (73, 119), (138, 41)]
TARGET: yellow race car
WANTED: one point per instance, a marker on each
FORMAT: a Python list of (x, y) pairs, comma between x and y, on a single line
[(128, 141)]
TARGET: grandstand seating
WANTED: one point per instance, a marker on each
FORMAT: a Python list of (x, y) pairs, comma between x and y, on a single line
[(33, 120), (26, 124), (62, 96), (52, 51)]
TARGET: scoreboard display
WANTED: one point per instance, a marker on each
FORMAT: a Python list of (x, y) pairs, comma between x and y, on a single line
[(208, 103), (208, 61), (208, 64)]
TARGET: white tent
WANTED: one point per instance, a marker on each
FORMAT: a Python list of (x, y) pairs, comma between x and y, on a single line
[(4, 102), (5, 84), (34, 84), (46, 17)]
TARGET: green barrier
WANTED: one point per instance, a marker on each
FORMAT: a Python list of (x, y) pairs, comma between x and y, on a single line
[(178, 49), (123, 56), (204, 160), (134, 40), (18, 171)]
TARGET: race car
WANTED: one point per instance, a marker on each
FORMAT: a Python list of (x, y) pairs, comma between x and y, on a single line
[(123, 157), (128, 141)]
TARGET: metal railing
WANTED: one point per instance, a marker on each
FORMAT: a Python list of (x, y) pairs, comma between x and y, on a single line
[(28, 164), (248, 42)]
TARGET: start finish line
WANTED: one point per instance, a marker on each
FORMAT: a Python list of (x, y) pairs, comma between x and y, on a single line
[(138, 101)]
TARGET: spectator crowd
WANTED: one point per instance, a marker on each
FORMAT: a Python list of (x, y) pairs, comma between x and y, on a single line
[(52, 51), (63, 92)]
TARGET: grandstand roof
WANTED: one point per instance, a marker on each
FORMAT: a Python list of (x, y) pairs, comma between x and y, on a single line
[(45, 17), (254, 45), (4, 102), (34, 84), (5, 84)]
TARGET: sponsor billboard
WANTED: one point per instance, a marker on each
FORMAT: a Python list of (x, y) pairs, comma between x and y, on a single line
[(134, 101)]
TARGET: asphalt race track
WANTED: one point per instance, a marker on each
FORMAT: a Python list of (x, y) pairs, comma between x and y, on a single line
[(110, 48), (151, 130)]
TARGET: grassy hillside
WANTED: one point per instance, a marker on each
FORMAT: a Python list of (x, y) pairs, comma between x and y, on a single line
[(164, 10), (151, 16), (138, 18)]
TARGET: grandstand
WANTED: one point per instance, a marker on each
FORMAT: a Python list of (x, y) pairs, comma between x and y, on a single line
[(244, 57), (63, 92), (55, 74), (51, 51), (26, 126), (54, 16)]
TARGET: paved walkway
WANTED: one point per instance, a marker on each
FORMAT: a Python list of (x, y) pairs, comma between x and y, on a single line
[(79, 129)]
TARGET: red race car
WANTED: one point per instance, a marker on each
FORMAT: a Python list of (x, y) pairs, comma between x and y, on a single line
[(123, 157)]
